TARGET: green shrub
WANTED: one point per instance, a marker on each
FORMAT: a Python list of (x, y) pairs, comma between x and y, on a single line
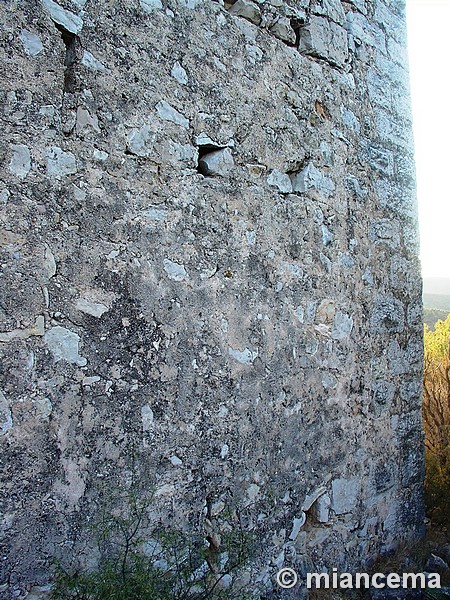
[(176, 567)]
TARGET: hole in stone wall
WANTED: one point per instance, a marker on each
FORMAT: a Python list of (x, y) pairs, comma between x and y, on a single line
[(296, 24), (73, 56), (204, 150)]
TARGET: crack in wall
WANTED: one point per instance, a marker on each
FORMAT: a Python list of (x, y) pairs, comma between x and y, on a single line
[(72, 81)]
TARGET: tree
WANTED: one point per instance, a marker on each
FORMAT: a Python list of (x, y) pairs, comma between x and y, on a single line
[(436, 417)]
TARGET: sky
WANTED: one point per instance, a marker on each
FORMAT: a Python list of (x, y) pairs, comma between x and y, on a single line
[(429, 64)]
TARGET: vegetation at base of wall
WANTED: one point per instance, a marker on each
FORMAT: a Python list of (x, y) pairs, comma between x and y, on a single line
[(436, 421), (138, 563)]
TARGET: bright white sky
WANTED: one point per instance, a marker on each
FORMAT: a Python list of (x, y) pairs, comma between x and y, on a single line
[(429, 64)]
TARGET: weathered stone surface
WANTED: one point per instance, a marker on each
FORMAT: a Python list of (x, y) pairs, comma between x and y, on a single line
[(169, 113), (174, 271), (241, 336), (88, 60), (179, 73), (324, 39), (362, 30), (345, 495), (388, 315), (329, 8)]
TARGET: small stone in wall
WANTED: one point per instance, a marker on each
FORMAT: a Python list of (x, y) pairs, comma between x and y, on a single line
[(95, 309), (343, 325), (245, 357), (150, 5), (168, 113), (326, 311), (20, 163), (63, 344), (5, 415), (311, 178), (218, 163), (49, 263), (22, 334), (44, 408), (100, 155), (31, 42), (247, 10), (174, 270), (327, 236), (345, 495), (147, 418), (86, 121), (176, 462), (325, 39), (388, 315), (349, 119), (284, 31), (179, 73), (281, 181), (321, 509), (332, 9), (66, 18), (60, 163), (89, 61), (140, 141), (253, 491)]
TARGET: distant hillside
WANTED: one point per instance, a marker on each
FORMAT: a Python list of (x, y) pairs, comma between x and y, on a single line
[(432, 315), (436, 299)]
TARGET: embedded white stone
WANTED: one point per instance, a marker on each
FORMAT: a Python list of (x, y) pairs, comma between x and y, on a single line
[(140, 141), (281, 181), (311, 178), (245, 357), (343, 325), (147, 417), (89, 61), (168, 113), (63, 17), (179, 73), (63, 344), (297, 525), (150, 5), (60, 163), (20, 163), (31, 42), (95, 309), (345, 495), (5, 414), (247, 10), (175, 271)]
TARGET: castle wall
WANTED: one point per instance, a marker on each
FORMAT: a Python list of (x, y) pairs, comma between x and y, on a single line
[(210, 279)]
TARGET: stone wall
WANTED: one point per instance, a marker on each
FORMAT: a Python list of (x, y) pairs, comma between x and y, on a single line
[(210, 281)]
